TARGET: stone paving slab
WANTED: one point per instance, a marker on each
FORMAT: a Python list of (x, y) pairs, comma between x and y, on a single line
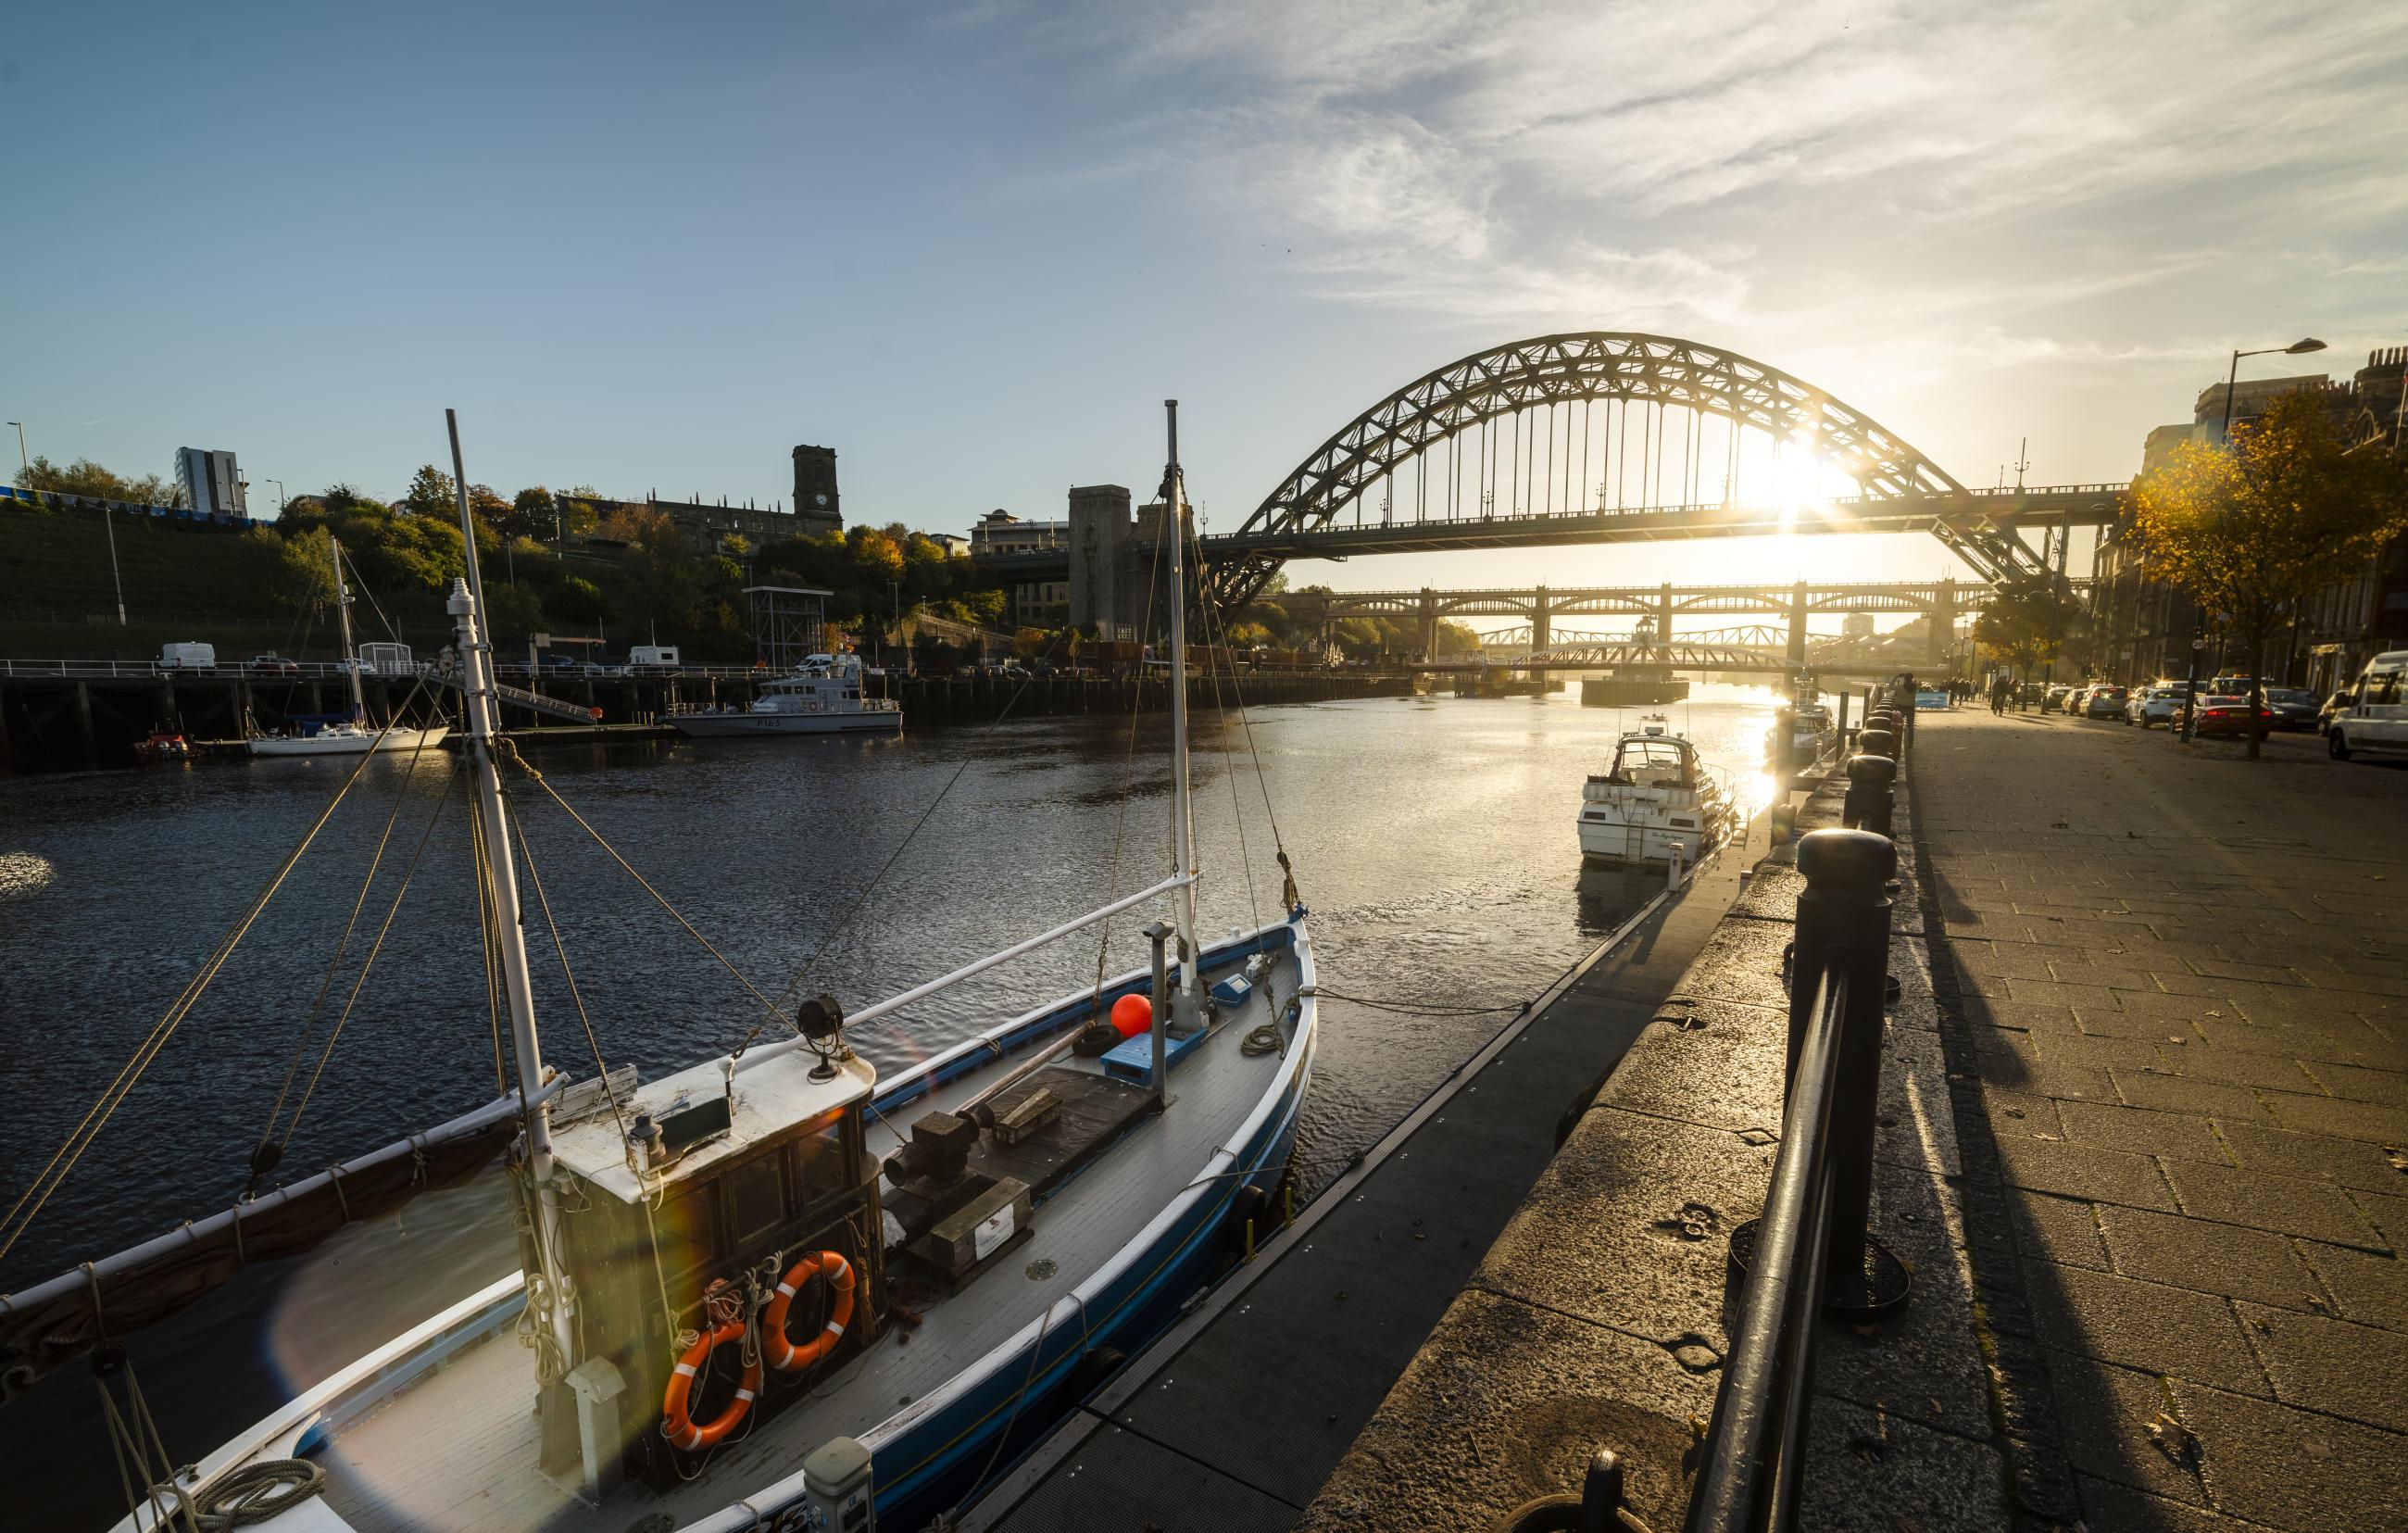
[(2169, 987)]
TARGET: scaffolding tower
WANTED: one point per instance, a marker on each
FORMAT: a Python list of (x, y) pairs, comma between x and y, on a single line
[(789, 622)]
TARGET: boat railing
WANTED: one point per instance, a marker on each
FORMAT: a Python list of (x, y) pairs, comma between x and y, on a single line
[(734, 1065)]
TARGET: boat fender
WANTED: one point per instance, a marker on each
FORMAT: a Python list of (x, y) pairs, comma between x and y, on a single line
[(1247, 1209), (1095, 1366), (784, 1355), (676, 1424)]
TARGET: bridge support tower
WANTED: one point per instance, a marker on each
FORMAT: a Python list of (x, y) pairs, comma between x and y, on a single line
[(1542, 633), (1943, 624), (1797, 627), (1430, 623)]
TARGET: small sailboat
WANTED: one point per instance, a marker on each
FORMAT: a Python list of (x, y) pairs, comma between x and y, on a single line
[(821, 696), (351, 736), (1658, 801), (721, 1267)]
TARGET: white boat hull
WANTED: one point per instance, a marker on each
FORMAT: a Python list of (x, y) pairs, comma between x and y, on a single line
[(1638, 844), (725, 725), (345, 743)]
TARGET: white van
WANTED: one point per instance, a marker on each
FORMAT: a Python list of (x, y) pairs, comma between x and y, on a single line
[(2377, 718), (187, 656), (665, 655)]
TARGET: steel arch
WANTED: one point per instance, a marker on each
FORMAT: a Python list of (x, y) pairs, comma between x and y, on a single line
[(1597, 365)]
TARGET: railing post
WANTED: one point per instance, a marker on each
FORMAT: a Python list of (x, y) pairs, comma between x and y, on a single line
[(1867, 806), (1844, 922)]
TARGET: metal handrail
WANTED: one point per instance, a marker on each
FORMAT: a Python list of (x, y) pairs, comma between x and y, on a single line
[(1740, 1483), (1810, 1256)]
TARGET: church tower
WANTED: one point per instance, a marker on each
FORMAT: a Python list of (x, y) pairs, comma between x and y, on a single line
[(815, 497)]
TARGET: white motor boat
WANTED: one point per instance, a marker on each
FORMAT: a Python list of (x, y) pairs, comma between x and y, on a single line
[(1658, 801), (823, 696), (353, 737), (720, 1265), (1813, 735)]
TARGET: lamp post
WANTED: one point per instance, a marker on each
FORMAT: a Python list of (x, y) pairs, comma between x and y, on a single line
[(22, 461), (280, 492), (2232, 376)]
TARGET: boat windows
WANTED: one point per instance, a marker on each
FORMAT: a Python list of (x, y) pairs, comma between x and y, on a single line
[(825, 1159), (757, 1199)]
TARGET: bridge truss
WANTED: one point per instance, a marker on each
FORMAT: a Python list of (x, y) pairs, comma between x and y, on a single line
[(1701, 414)]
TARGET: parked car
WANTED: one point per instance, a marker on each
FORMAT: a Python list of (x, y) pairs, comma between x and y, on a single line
[(2055, 701), (2105, 702), (2153, 704), (2224, 715), (2074, 699), (2377, 717), (2335, 706), (275, 663), (2294, 708)]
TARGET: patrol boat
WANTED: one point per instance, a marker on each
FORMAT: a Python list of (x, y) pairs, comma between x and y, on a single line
[(720, 1268), (822, 696)]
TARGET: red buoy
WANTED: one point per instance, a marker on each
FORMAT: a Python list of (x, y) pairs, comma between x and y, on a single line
[(1132, 1015)]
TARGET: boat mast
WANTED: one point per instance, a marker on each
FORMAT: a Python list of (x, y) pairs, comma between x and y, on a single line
[(1183, 820), (467, 607), (343, 613)]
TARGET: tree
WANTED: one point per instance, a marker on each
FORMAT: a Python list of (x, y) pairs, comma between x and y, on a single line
[(490, 510), (2254, 528), (305, 577), (429, 494), (533, 514), (1458, 639), (2029, 621), (84, 476), (1249, 636), (576, 600)]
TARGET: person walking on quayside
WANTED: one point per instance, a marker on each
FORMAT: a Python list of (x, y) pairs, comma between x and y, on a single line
[(1998, 685), (1907, 690)]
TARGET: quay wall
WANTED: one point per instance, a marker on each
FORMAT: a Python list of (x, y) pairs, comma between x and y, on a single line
[(81, 722), (1601, 1316)]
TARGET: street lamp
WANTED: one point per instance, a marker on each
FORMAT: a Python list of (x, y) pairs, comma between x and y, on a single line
[(22, 461), (280, 492), (2298, 348)]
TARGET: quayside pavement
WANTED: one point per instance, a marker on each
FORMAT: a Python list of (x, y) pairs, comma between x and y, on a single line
[(2174, 996)]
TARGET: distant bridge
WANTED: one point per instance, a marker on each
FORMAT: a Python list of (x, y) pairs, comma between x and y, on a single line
[(1940, 603)]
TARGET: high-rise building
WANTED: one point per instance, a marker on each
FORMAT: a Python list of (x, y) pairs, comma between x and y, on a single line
[(211, 484)]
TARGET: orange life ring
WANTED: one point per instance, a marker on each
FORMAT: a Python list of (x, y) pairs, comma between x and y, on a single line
[(676, 1425), (783, 1354)]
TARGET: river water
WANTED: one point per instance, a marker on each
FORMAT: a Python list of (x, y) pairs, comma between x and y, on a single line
[(1432, 839)]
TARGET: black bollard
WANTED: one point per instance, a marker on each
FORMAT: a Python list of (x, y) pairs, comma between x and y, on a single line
[(1844, 924), (1869, 782), (1878, 742)]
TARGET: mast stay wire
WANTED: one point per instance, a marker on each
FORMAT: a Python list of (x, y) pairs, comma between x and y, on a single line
[(54, 1174), (359, 982), (335, 961), (1128, 767)]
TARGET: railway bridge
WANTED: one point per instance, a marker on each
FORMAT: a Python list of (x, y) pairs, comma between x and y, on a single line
[(1940, 603)]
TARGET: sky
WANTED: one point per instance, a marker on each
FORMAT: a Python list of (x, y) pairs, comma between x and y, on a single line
[(972, 247)]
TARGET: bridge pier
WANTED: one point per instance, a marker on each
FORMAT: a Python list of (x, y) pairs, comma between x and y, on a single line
[(1542, 634), (1943, 624), (1797, 627), (1664, 626), (1430, 623)]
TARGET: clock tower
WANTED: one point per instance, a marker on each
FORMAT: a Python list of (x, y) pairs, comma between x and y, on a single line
[(815, 499)]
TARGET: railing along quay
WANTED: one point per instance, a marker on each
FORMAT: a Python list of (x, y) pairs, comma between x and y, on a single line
[(1809, 1257)]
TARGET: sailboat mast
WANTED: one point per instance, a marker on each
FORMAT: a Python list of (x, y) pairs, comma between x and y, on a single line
[(1182, 818), (343, 615), (467, 607)]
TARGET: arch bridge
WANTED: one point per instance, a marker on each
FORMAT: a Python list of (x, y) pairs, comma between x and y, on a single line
[(1571, 439)]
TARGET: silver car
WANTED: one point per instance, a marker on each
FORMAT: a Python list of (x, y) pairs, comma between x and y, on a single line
[(2153, 704)]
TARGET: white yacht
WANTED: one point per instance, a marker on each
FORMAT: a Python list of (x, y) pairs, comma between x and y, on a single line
[(354, 736), (823, 696), (1813, 734), (1658, 800)]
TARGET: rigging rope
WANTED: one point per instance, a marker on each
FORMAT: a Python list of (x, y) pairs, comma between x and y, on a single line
[(512, 751), (62, 1162), (334, 964), (1128, 767), (359, 982)]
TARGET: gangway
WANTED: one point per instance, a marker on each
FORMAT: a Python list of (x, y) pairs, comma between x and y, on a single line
[(536, 702)]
